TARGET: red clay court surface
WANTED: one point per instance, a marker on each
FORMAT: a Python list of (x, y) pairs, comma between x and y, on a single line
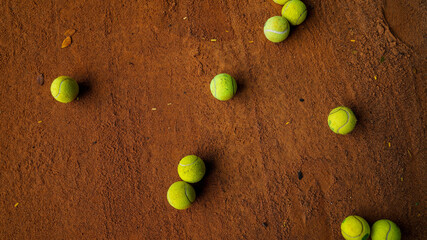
[(100, 167)]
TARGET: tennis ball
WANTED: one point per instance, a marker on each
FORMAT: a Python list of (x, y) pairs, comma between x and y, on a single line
[(385, 230), (191, 169), (276, 29), (295, 12), (64, 89), (223, 86), (341, 120), (181, 195), (355, 228), (281, 2)]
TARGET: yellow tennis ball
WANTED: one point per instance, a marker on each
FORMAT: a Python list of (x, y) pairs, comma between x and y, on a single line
[(223, 87), (281, 2), (191, 169), (276, 29), (385, 230), (355, 228), (64, 89), (181, 195), (342, 120), (295, 12)]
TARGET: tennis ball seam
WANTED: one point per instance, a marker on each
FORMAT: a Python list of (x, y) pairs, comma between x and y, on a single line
[(186, 195), (186, 165), (389, 230), (348, 120), (277, 32), (300, 16), (361, 232), (59, 88), (286, 7)]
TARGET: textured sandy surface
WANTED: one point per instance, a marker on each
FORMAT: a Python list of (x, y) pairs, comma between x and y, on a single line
[(99, 167)]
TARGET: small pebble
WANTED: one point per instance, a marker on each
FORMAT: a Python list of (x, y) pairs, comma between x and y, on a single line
[(300, 175), (301, 99), (265, 224), (40, 79)]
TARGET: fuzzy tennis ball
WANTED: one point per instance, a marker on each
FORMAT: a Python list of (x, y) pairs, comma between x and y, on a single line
[(355, 228), (181, 195), (276, 29), (295, 12), (385, 230), (223, 87), (191, 169), (64, 89), (341, 120), (281, 2)]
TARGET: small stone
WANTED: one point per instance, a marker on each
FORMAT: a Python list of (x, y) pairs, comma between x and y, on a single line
[(40, 79), (265, 224), (301, 99), (300, 176)]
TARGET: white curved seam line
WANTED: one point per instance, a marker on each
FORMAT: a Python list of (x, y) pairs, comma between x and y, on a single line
[(357, 235), (269, 30), (348, 119), (301, 15), (389, 229), (286, 8), (353, 237), (59, 89), (184, 165), (186, 195)]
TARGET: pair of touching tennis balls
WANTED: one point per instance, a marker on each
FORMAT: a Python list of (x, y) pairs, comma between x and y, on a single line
[(277, 28), (181, 194), (356, 228)]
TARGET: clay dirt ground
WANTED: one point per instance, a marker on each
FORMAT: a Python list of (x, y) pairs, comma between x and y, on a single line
[(99, 167)]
